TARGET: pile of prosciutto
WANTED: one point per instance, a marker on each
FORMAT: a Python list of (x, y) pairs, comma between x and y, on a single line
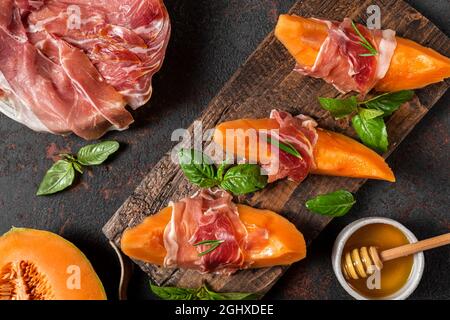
[(344, 62), (72, 66)]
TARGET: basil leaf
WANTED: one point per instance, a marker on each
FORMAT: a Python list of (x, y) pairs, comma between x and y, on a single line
[(234, 296), (285, 146), (240, 179), (221, 170), (339, 108), (198, 168), (78, 167), (369, 113), (389, 102), (57, 178), (229, 295), (243, 178), (202, 293), (372, 132), (95, 154), (334, 204), (67, 156), (174, 293)]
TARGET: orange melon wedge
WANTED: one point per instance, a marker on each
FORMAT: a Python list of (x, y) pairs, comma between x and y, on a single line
[(412, 66), (335, 154), (285, 244)]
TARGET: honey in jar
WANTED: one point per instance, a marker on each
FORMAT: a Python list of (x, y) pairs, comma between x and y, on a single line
[(395, 273)]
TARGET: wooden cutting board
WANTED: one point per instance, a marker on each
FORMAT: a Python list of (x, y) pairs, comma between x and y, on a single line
[(266, 81)]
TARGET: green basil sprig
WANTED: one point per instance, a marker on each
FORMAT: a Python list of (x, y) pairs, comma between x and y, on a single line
[(367, 116), (202, 293), (62, 174), (95, 154), (388, 102), (237, 179), (372, 132), (243, 179), (198, 168), (57, 178), (334, 204), (339, 108)]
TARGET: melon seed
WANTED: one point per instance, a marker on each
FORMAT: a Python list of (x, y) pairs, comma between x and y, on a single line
[(21, 280)]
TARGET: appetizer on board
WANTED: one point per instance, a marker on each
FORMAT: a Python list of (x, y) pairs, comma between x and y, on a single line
[(207, 232), (73, 66), (355, 58), (320, 151)]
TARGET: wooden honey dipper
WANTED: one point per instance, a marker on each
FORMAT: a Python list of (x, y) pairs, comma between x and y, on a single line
[(361, 262)]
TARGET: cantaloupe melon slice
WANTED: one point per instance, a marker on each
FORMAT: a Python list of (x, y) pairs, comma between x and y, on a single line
[(40, 265)]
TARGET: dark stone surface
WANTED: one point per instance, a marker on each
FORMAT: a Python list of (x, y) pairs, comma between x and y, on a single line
[(210, 40)]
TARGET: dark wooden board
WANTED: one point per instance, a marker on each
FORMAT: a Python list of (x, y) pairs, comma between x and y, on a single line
[(264, 82)]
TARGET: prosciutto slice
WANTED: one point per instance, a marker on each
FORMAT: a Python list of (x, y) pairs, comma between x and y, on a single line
[(298, 132), (341, 59), (73, 65), (208, 215)]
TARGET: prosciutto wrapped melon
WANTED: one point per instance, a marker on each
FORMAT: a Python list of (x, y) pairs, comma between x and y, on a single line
[(321, 151), (331, 51), (246, 237)]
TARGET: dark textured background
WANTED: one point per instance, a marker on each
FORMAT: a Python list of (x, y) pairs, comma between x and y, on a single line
[(210, 40)]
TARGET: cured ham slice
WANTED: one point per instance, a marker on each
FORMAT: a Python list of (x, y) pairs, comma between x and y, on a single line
[(300, 133), (87, 80), (125, 39), (208, 215), (343, 61), (38, 92), (73, 65)]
